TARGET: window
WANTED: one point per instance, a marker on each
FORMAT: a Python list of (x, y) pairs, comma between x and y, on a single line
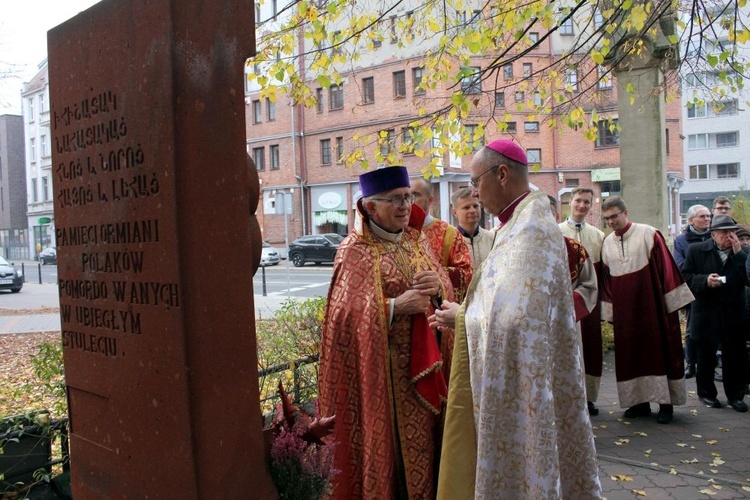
[(392, 25), (604, 78), (259, 157), (726, 140), (697, 141), (724, 108), (508, 71), (566, 27), (571, 80), (500, 99), (42, 107), (571, 183), (609, 187), (474, 142), (527, 69), (399, 84), (387, 139), (531, 126), (319, 97), (368, 90), (534, 156), (34, 191), (534, 37), (469, 18), (274, 150), (32, 150), (607, 133), (270, 110), (408, 140), (471, 82), (337, 97), (518, 96), (30, 107), (727, 170), (699, 172), (45, 188), (417, 75), (695, 110), (325, 151), (511, 128), (339, 149), (537, 99), (257, 113), (43, 146)]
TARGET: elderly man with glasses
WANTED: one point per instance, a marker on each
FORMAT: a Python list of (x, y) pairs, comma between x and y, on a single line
[(642, 292), (696, 231), (380, 366)]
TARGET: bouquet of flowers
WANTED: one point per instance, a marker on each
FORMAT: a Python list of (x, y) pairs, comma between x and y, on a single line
[(301, 462)]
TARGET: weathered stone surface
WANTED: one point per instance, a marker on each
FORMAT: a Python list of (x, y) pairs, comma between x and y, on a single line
[(152, 223)]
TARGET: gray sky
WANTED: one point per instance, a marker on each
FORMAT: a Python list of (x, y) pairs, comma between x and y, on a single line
[(23, 41)]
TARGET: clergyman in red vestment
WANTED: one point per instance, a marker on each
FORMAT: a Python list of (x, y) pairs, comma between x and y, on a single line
[(380, 367), (642, 292)]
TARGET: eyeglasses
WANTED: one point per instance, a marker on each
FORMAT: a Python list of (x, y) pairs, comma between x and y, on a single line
[(612, 217), (475, 180), (398, 201), (722, 208)]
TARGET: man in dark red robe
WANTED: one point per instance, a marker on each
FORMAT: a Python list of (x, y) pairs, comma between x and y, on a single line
[(641, 295)]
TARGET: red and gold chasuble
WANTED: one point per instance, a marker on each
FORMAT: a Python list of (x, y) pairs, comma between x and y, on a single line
[(449, 246), (384, 434)]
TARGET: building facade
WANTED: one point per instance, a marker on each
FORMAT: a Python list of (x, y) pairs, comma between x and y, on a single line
[(299, 150), (39, 173), (13, 229)]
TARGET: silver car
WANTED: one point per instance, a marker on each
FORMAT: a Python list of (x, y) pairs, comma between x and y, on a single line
[(269, 255), (10, 278)]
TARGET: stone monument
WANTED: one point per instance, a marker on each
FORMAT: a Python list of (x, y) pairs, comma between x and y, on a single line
[(153, 192)]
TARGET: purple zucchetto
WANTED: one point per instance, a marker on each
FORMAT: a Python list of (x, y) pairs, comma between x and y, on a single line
[(383, 179), (510, 150)]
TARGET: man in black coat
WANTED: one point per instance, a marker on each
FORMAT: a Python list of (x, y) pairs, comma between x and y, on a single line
[(715, 272)]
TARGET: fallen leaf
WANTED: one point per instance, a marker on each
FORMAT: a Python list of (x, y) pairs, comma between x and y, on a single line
[(712, 441), (707, 491), (716, 486), (693, 461), (602, 426), (639, 493), (746, 488), (648, 451), (673, 471), (682, 445), (622, 441), (697, 436), (639, 433), (722, 429), (694, 412), (621, 477)]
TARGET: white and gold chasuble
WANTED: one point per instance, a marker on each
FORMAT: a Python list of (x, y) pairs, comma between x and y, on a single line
[(517, 374)]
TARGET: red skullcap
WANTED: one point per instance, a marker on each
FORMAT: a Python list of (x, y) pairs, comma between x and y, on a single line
[(510, 150)]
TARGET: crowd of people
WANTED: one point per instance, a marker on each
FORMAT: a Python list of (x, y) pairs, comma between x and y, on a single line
[(462, 362)]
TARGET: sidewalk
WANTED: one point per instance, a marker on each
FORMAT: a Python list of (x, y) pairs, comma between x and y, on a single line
[(703, 453)]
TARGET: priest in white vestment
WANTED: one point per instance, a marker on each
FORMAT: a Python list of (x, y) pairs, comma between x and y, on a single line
[(516, 420)]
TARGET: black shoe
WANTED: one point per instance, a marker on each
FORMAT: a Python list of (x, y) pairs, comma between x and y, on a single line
[(593, 410), (640, 410), (710, 402), (690, 371), (666, 414), (738, 405)]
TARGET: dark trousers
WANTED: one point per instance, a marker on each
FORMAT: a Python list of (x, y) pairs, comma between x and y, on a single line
[(690, 355), (733, 363)]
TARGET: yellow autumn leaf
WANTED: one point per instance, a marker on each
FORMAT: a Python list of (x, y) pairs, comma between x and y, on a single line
[(692, 461), (711, 441), (707, 491), (621, 477), (672, 471), (639, 493), (697, 436), (639, 433), (746, 488), (682, 445)]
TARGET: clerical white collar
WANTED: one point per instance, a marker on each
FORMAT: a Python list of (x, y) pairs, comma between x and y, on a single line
[(575, 224), (428, 220), (385, 235)]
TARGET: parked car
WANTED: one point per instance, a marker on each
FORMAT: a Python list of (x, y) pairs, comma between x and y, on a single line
[(48, 256), (10, 278), (269, 255), (316, 248)]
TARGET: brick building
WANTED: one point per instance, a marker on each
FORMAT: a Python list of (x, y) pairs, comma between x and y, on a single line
[(297, 150)]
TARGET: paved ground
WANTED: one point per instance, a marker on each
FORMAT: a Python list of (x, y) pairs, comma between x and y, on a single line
[(704, 453)]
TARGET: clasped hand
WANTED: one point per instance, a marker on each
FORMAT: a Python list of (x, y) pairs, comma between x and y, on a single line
[(426, 284)]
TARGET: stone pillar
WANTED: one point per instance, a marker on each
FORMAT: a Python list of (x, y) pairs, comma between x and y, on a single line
[(643, 165), (153, 192)]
